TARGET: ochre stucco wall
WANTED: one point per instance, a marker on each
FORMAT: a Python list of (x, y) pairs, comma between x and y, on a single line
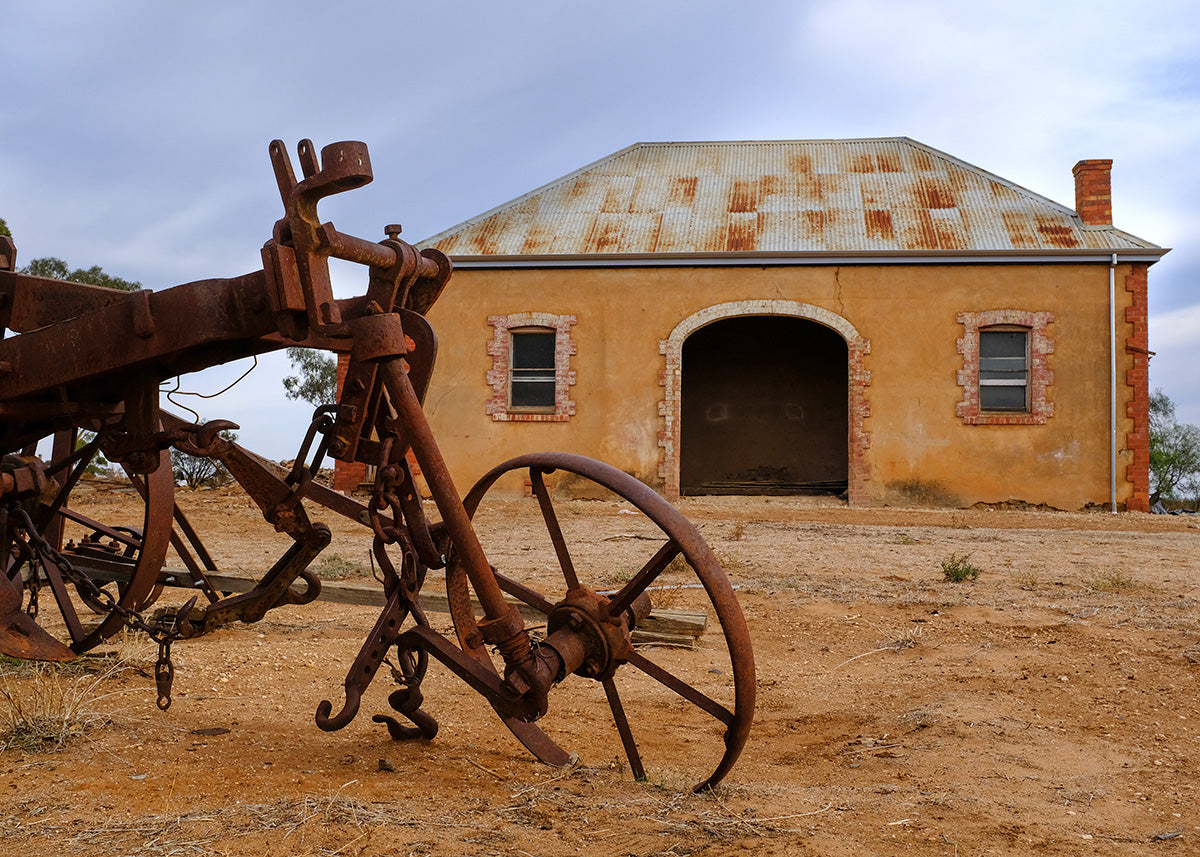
[(919, 447)]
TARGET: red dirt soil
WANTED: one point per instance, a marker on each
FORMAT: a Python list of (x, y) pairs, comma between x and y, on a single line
[(1048, 707)]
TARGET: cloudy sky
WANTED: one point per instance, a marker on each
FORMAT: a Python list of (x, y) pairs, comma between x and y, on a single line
[(133, 135)]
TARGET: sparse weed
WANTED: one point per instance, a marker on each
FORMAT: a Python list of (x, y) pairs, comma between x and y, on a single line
[(732, 562), (336, 567), (1027, 580), (906, 539), (667, 597), (906, 638), (1112, 581), (739, 532), (958, 569)]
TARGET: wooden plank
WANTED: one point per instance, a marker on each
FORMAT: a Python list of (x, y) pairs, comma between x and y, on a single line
[(666, 626)]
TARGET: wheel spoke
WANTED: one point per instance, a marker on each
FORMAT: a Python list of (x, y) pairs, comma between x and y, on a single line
[(556, 536), (698, 699), (185, 539), (121, 535), (622, 723), (524, 594), (622, 601), (65, 606)]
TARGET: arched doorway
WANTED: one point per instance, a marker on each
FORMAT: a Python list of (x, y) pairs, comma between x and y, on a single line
[(764, 408)]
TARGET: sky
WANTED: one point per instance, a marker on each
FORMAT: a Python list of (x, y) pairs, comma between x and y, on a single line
[(133, 135)]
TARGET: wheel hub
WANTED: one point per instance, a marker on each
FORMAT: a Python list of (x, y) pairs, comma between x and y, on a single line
[(604, 639)]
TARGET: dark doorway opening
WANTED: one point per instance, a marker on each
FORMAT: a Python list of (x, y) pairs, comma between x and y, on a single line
[(764, 408)]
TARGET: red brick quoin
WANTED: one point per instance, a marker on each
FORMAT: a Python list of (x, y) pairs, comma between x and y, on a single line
[(1137, 379)]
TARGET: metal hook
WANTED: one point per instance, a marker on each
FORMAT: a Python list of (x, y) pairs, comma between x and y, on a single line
[(329, 724)]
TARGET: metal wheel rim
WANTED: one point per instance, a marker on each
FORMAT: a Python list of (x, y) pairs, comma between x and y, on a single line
[(676, 528)]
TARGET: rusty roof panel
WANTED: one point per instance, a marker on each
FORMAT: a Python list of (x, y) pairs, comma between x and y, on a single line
[(881, 195)]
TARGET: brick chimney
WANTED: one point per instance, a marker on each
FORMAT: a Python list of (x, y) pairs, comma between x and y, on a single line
[(1093, 192)]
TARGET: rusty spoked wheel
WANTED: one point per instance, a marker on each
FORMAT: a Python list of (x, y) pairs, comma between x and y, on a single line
[(120, 546), (125, 555), (692, 707)]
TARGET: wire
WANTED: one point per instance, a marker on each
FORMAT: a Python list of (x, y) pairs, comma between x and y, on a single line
[(176, 391)]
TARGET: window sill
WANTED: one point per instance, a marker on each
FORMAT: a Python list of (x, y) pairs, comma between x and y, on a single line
[(1004, 418)]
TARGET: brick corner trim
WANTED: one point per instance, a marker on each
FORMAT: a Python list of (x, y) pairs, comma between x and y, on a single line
[(1137, 380)]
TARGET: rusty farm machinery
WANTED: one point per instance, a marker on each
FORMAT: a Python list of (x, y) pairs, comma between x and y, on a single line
[(62, 404)]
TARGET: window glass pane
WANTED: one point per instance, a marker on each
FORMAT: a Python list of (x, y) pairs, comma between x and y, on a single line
[(1002, 344), (532, 393), (1002, 398), (1000, 366), (533, 350)]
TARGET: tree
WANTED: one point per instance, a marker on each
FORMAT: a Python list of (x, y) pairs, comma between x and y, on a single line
[(57, 269), (4, 228), (1174, 452), (316, 382), (196, 471), (99, 465)]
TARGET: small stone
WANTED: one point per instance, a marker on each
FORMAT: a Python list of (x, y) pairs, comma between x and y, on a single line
[(385, 765)]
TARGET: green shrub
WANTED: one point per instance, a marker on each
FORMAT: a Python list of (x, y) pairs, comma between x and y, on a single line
[(958, 569)]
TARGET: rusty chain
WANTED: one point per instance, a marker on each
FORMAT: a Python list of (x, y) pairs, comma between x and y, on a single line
[(164, 635)]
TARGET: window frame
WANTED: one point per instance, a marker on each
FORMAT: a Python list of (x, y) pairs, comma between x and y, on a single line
[(543, 374), (500, 376), (1038, 375), (1023, 372)]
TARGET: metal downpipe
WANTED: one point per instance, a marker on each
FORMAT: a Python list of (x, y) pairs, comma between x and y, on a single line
[(1112, 379)]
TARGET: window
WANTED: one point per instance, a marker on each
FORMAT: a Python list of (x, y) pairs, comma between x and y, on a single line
[(531, 371), (531, 375), (1005, 371)]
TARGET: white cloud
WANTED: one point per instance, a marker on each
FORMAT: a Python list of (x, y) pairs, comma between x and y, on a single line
[(134, 134), (1178, 329)]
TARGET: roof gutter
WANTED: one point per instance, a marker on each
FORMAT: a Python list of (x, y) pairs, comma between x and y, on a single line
[(1149, 255)]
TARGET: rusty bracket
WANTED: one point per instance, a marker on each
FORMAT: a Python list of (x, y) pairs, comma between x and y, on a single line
[(271, 591), (22, 476)]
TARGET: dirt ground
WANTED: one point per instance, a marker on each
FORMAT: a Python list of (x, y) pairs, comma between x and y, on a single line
[(1048, 706)]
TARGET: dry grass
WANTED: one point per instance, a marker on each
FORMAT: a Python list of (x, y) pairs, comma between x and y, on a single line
[(45, 705), (320, 826), (299, 826), (333, 566), (1112, 582), (1027, 579)]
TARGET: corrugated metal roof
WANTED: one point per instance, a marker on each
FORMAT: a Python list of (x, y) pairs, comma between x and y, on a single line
[(891, 195)]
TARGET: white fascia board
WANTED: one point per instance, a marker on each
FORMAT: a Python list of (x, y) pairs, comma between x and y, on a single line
[(763, 260)]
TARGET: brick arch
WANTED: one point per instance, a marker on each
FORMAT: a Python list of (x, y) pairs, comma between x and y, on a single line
[(858, 378)]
